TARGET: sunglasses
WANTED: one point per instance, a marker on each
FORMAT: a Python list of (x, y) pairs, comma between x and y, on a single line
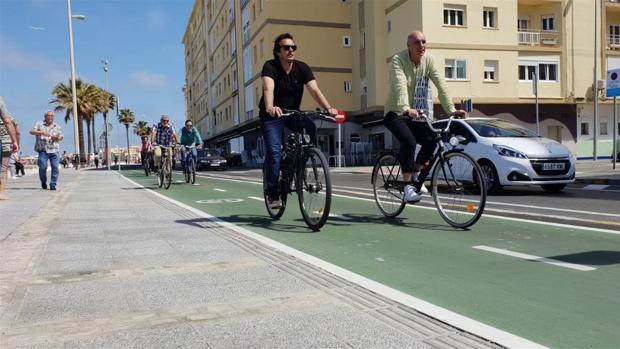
[(289, 47), (165, 121), (189, 125)]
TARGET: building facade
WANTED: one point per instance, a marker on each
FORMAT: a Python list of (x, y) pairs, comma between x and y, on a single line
[(489, 50)]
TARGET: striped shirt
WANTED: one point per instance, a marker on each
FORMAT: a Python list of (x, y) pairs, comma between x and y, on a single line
[(164, 134), (45, 143)]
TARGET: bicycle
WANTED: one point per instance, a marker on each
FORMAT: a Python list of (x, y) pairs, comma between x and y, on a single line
[(189, 164), (146, 162), (76, 161), (164, 178), (303, 169), (457, 184)]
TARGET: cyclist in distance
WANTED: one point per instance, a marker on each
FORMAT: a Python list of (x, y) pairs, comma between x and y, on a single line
[(410, 74), (145, 148), (190, 138), (283, 80), (163, 134)]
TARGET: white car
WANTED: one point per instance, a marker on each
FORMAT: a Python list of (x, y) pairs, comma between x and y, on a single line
[(510, 154)]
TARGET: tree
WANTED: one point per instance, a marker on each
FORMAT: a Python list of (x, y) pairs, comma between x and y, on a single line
[(108, 102), (141, 128), (64, 102), (127, 117)]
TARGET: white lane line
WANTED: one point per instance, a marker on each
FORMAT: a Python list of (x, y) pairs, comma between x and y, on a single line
[(595, 187), (493, 334), (220, 190), (337, 216), (484, 215), (533, 258), (256, 198)]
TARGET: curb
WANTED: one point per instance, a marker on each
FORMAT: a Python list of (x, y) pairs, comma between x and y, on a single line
[(603, 181)]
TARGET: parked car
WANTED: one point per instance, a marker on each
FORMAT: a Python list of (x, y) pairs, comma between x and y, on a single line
[(510, 154), (210, 159)]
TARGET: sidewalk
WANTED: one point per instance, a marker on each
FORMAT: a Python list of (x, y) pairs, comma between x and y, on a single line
[(104, 263)]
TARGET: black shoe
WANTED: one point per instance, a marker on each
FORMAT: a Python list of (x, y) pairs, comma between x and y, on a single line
[(52, 187), (43, 185)]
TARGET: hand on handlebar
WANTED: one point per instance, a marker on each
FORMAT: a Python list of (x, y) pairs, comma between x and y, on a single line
[(333, 112), (460, 114), (274, 112), (413, 114)]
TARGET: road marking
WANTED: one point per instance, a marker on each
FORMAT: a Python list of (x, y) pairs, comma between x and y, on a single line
[(464, 323), (533, 258), (256, 198), (344, 218), (218, 201), (553, 224), (595, 187), (220, 190)]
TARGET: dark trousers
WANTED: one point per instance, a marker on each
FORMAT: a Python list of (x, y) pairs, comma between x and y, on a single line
[(273, 130), (19, 167), (410, 133)]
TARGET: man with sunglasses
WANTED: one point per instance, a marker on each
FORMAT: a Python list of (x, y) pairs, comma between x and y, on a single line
[(163, 135), (410, 74), (190, 138), (283, 80)]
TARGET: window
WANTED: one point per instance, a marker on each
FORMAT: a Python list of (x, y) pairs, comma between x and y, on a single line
[(489, 17), (547, 71), (389, 26), (585, 129), (548, 23), (614, 34), (456, 69), (603, 129), (490, 70), (347, 86), (454, 15), (346, 41), (526, 72)]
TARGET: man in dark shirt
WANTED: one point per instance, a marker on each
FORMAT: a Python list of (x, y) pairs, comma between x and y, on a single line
[(284, 79)]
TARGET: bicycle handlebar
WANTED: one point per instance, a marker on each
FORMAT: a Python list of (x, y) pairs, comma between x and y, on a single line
[(424, 117), (309, 113)]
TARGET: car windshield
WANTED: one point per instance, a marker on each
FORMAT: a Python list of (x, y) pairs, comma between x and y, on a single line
[(500, 128), (210, 153)]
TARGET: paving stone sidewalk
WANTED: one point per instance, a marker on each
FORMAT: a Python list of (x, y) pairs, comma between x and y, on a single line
[(101, 263)]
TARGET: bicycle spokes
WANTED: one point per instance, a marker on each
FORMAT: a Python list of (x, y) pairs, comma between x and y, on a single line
[(387, 185), (314, 189)]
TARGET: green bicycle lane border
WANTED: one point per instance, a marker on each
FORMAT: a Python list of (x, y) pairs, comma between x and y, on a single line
[(420, 255)]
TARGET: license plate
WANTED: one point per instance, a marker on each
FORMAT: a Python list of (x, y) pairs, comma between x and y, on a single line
[(215, 164), (553, 166)]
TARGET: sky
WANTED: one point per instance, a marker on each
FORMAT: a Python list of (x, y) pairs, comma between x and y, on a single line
[(141, 39)]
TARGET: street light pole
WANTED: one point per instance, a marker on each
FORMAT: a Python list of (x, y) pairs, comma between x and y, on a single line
[(73, 93), (107, 148)]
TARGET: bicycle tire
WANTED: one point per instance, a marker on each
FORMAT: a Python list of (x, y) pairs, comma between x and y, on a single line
[(186, 172), (458, 189), (168, 173), (160, 175), (192, 168), (275, 214), (147, 168), (314, 188), (388, 198)]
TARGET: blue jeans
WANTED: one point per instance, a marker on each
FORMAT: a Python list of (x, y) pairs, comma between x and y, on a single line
[(272, 133), (54, 160), (189, 152)]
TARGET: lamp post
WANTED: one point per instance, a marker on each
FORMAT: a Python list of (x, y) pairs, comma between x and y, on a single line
[(73, 93), (107, 148)]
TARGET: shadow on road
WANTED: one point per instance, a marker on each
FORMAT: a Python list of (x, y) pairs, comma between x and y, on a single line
[(591, 258)]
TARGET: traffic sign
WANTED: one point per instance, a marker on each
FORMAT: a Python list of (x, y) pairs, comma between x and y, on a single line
[(613, 82), (341, 117)]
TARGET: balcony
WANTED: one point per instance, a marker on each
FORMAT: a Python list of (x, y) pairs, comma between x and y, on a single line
[(613, 42), (538, 37)]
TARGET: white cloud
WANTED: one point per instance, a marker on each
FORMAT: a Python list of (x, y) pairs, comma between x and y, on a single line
[(12, 57), (156, 19), (148, 79)]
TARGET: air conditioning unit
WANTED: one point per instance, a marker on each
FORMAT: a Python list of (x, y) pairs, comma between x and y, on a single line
[(600, 84)]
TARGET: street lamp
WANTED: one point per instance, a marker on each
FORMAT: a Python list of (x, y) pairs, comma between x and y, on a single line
[(105, 62), (73, 93)]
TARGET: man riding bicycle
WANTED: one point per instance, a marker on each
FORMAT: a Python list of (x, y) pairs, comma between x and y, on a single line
[(190, 138), (146, 150), (410, 74), (283, 80), (163, 135)]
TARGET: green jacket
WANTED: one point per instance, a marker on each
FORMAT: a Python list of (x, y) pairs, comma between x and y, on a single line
[(407, 82), (190, 138)]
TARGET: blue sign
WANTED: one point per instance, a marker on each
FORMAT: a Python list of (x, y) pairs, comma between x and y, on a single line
[(613, 83)]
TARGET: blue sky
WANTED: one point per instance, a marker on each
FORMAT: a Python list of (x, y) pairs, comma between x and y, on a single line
[(141, 39)]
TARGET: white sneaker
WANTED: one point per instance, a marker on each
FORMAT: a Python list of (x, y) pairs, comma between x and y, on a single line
[(410, 195), (423, 189)]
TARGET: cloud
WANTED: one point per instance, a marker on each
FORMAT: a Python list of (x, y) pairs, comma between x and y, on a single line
[(13, 57), (156, 19), (148, 79)]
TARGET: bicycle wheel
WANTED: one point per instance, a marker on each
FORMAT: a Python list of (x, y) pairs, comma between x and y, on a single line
[(160, 175), (314, 189), (186, 172), (192, 169), (388, 194), (168, 173), (147, 167), (276, 213), (458, 189)]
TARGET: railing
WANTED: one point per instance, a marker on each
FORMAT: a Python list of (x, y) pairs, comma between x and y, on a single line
[(613, 42), (538, 37)]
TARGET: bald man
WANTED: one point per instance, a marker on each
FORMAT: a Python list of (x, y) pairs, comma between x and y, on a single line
[(410, 74)]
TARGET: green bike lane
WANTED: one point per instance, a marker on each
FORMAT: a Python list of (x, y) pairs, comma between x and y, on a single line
[(419, 254)]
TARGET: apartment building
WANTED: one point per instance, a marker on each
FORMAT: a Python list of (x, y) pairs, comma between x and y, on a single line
[(227, 43), (489, 51)]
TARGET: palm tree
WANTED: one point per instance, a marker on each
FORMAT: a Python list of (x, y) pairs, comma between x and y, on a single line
[(64, 102), (108, 102), (90, 107), (141, 128), (127, 117)]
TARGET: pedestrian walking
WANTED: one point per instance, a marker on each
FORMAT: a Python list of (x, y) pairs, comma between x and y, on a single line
[(19, 165), (48, 134), (96, 160), (9, 143)]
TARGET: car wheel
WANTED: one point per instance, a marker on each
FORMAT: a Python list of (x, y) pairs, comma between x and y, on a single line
[(490, 175), (553, 188)]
